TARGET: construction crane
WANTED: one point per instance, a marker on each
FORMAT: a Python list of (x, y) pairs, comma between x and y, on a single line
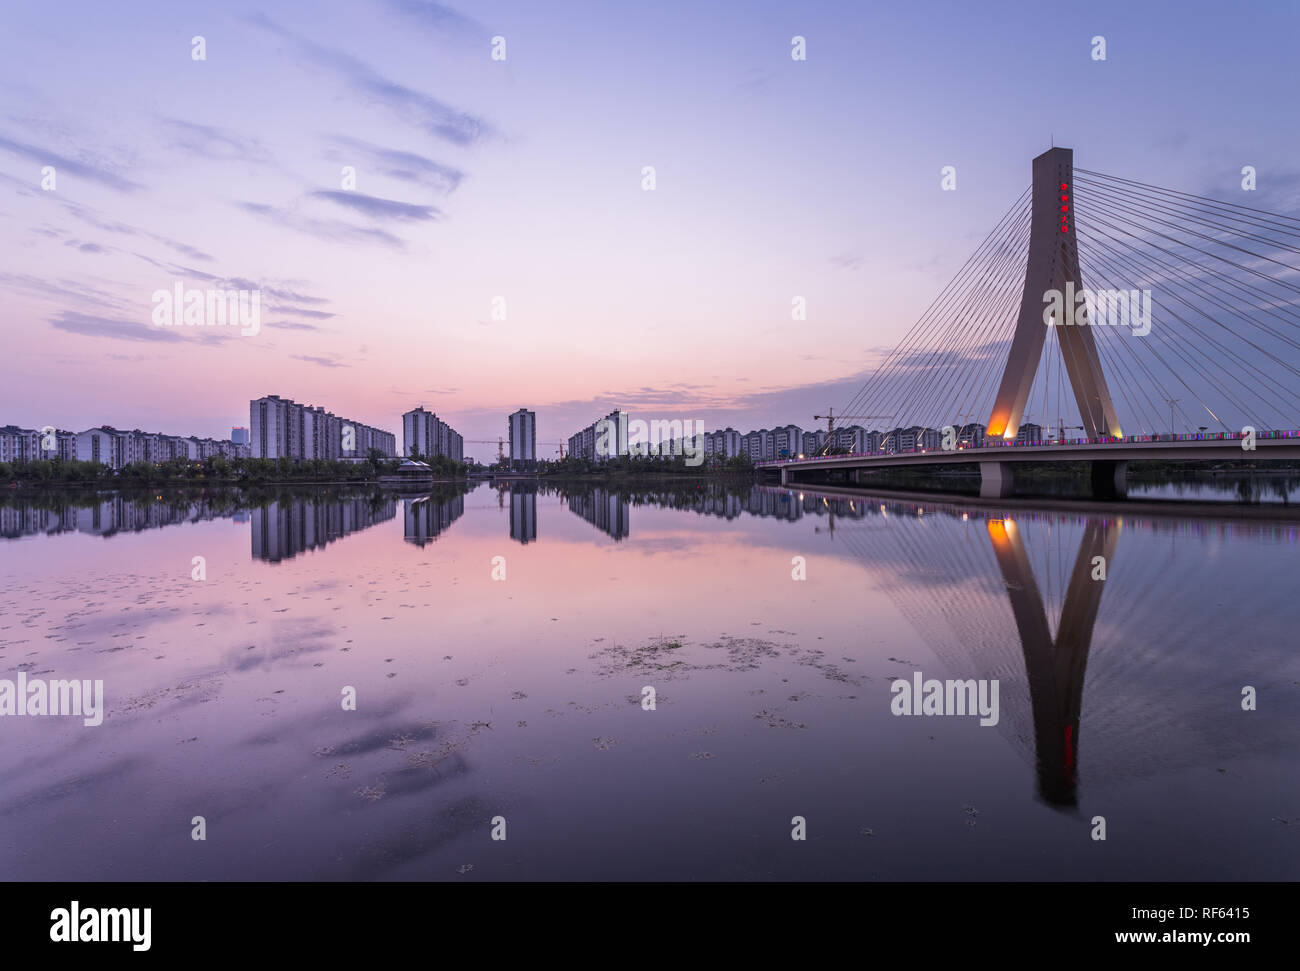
[(830, 417), (1063, 426), (500, 443)]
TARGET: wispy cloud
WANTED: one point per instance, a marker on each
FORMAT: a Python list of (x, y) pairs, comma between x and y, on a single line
[(210, 142), (93, 218), (378, 208), (322, 361), (113, 328), (321, 228), (397, 164), (437, 16), (293, 325), (415, 107), (68, 290), (69, 166), (303, 312)]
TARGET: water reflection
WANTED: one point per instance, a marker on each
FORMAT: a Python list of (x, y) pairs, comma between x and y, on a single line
[(425, 518), (609, 510), (102, 517), (1055, 665), (1111, 688), (523, 511), (990, 588), (283, 530), (992, 591)]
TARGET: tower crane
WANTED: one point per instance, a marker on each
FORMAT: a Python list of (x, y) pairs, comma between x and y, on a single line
[(830, 417), (500, 443), (1063, 426)]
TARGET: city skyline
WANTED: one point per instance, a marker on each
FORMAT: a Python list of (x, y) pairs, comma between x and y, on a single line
[(812, 176)]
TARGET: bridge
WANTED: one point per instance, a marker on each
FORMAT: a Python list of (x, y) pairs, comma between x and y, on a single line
[(1108, 457), (1133, 299)]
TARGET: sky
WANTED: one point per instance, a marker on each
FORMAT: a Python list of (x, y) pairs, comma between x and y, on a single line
[(484, 183)]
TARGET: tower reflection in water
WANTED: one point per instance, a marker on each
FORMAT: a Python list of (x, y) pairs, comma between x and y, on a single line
[(1123, 658), (1055, 665), (523, 511)]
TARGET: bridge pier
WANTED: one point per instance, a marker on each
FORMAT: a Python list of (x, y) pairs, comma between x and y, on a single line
[(1109, 479), (996, 480)]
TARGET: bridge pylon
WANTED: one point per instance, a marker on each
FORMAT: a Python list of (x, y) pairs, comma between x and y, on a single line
[(1053, 262)]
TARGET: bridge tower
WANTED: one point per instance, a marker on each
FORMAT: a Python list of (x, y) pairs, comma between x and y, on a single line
[(1052, 263)]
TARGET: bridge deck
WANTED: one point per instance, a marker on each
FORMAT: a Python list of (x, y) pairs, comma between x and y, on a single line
[(1268, 445)]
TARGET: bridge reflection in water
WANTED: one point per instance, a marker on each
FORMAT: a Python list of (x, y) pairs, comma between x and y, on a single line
[(993, 593), (1055, 665)]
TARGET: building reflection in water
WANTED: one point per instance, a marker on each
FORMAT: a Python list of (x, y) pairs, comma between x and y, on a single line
[(606, 509), (992, 590), (104, 517), (523, 511), (283, 529), (424, 518)]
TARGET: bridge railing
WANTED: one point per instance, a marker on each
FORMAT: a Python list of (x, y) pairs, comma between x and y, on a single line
[(1267, 434)]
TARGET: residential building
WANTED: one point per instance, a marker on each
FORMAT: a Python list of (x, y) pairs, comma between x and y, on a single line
[(106, 446), (971, 435), (1029, 434), (282, 428), (926, 439), (787, 442), (523, 439), (19, 444), (606, 437), (425, 433)]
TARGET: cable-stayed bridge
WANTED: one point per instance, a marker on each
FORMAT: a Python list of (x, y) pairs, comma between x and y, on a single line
[(1131, 321)]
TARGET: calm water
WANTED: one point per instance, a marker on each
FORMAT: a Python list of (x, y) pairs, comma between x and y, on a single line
[(522, 697)]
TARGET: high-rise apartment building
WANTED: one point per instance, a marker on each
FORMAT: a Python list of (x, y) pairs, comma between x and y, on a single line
[(425, 433), (523, 439), (282, 428)]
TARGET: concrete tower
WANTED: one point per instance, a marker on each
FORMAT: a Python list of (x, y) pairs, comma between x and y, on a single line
[(1053, 262)]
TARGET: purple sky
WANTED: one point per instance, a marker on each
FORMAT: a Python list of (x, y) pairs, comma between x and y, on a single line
[(479, 178)]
